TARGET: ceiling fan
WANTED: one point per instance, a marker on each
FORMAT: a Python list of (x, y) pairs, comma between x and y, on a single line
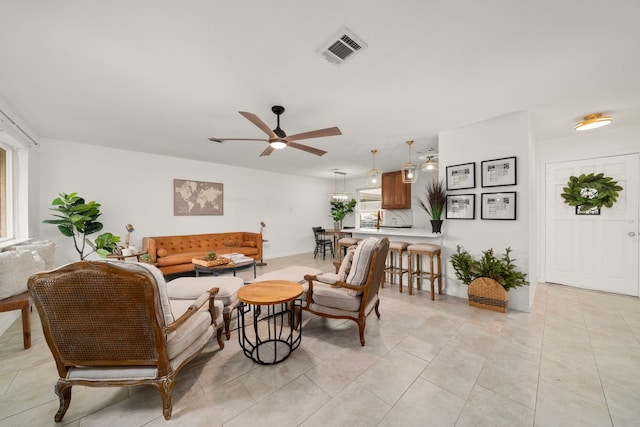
[(278, 139)]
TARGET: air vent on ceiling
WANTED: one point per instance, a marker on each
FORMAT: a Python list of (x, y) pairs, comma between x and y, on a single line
[(345, 45)]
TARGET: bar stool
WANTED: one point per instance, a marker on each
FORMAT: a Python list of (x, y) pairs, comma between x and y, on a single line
[(344, 243), (415, 267), (396, 250)]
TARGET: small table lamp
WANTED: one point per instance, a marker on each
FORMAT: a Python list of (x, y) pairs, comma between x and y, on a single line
[(129, 228)]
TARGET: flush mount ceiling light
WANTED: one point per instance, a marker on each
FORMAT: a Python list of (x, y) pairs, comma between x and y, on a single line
[(593, 121), (374, 175), (409, 175), (339, 196), (429, 165)]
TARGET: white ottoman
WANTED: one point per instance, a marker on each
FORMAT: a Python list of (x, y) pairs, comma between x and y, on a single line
[(188, 288)]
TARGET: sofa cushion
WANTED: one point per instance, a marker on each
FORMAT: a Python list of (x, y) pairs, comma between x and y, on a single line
[(248, 244), (335, 297), (345, 267), (193, 287), (15, 269), (45, 248)]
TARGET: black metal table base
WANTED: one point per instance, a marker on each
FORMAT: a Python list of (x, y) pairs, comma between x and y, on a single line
[(273, 333)]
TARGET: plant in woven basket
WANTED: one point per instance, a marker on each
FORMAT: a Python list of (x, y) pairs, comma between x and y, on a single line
[(502, 270)]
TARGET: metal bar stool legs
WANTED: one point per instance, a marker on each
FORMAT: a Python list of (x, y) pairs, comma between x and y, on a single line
[(393, 269), (415, 266)]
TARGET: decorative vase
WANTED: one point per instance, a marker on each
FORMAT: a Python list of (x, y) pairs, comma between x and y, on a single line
[(436, 225), (337, 225)]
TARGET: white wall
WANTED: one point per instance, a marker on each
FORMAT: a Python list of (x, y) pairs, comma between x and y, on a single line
[(504, 136), (137, 188)]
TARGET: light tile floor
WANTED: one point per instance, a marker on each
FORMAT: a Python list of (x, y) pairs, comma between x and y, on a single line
[(573, 361)]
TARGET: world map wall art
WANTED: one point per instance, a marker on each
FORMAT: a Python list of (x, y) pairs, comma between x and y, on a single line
[(197, 198)]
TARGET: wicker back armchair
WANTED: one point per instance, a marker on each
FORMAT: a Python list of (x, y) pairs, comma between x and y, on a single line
[(110, 324), (355, 296)]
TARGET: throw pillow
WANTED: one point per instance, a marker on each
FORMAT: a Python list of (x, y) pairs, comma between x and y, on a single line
[(248, 244), (162, 252), (345, 267), (15, 269)]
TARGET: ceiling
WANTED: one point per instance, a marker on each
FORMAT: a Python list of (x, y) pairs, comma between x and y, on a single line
[(163, 76)]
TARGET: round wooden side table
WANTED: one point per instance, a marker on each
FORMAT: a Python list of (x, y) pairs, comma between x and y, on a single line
[(273, 334)]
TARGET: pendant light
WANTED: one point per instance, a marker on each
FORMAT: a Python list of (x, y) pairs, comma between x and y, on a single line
[(374, 175), (593, 121), (409, 170), (339, 196)]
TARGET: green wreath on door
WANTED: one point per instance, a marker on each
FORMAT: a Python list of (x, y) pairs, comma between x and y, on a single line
[(591, 191)]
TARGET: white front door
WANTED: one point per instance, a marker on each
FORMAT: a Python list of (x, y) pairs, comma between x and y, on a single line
[(594, 251)]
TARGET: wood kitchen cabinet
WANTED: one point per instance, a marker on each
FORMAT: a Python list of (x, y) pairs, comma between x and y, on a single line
[(395, 193)]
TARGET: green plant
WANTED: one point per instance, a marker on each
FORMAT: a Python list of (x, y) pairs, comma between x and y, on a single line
[(146, 258), (77, 219), (211, 255), (591, 191), (340, 209), (502, 270), (436, 201)]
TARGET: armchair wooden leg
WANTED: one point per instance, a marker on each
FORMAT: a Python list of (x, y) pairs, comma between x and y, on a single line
[(26, 326), (361, 325), (227, 325), (166, 388), (219, 338), (63, 390)]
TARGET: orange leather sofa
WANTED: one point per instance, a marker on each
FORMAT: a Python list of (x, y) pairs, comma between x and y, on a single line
[(173, 254)]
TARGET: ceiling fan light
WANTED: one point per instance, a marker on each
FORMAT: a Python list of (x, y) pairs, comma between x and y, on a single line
[(593, 121), (277, 144)]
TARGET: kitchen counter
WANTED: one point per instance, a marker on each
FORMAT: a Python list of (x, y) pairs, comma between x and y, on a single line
[(385, 231)]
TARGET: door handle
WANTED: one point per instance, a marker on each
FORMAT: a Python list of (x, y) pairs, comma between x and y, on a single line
[(631, 234)]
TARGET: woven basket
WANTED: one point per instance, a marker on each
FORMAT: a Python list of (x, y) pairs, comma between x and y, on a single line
[(204, 262), (488, 293)]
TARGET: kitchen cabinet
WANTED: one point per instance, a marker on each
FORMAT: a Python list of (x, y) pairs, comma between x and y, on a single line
[(395, 193)]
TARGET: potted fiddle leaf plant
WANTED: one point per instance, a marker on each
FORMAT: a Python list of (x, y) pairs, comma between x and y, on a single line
[(77, 219), (339, 210), (489, 278), (435, 203)]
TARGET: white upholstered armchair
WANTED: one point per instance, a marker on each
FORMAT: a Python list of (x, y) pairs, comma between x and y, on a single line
[(352, 293), (111, 324)]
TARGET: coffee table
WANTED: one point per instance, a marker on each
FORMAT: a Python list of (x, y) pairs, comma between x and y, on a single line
[(226, 268), (273, 334)]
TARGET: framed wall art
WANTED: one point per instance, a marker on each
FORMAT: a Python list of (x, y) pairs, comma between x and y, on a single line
[(460, 177), (498, 205), (197, 198), (461, 206), (497, 172)]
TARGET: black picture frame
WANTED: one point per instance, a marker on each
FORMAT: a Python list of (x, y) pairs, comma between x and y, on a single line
[(498, 206), (462, 176), (498, 172), (461, 206)]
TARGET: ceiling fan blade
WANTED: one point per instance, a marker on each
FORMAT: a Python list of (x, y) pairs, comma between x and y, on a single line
[(267, 151), (315, 134), (214, 139), (306, 148), (256, 121)]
